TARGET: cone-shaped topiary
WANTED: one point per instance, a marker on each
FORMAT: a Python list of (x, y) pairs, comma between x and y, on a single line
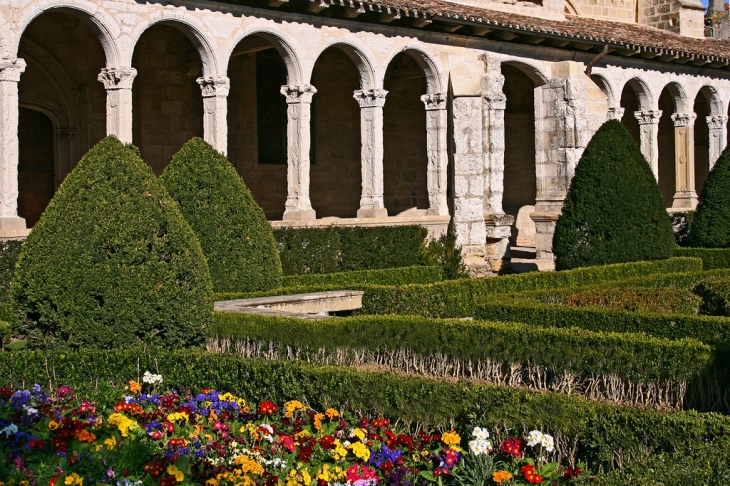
[(112, 262), (710, 226), (231, 227), (613, 212)]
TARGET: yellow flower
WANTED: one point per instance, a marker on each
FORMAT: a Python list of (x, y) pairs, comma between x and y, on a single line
[(318, 421), (450, 438), (211, 482), (360, 450), (339, 452), (359, 433), (74, 478), (248, 465), (172, 470), (123, 423), (53, 425), (111, 442), (175, 416), (332, 413), (500, 476), (303, 434), (134, 387)]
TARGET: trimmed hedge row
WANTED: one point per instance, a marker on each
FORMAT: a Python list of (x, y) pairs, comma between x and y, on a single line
[(342, 249), (711, 257), (9, 252), (387, 276), (605, 435), (715, 295), (477, 350), (663, 300)]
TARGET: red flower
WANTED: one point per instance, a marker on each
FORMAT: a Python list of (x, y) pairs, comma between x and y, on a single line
[(530, 475), (571, 472), (327, 442), (381, 423), (268, 408), (513, 446), (53, 481), (6, 393)]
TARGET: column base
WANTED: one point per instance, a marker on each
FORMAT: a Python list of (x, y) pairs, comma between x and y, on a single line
[(372, 213), (13, 229), (685, 201), (544, 231), (497, 248), (299, 215), (474, 259)]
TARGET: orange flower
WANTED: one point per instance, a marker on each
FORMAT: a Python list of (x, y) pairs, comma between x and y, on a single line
[(500, 476), (134, 387), (318, 421), (332, 413), (85, 436)]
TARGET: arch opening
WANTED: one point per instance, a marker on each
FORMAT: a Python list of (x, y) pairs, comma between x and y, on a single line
[(702, 108), (630, 102), (405, 161), (666, 146)]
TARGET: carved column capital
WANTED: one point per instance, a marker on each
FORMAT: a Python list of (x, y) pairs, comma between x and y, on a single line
[(370, 98), (298, 93), (117, 78), (615, 113), (212, 86), (648, 117), (435, 101), (11, 69), (682, 120), (717, 122)]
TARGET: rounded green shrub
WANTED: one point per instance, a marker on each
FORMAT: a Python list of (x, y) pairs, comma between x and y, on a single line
[(231, 227), (112, 262), (613, 212), (715, 293), (710, 226)]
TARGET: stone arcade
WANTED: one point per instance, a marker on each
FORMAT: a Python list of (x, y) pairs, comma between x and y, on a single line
[(356, 112)]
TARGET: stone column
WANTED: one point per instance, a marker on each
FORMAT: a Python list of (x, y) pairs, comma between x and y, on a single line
[(438, 154), (718, 136), (215, 111), (649, 136), (299, 111), (469, 183), (10, 71), (615, 113), (371, 133), (498, 226), (685, 197), (118, 84)]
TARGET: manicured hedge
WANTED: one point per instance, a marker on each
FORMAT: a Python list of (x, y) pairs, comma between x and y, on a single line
[(605, 435), (651, 299), (343, 249), (710, 226), (461, 349), (9, 252), (711, 257), (388, 276), (715, 293)]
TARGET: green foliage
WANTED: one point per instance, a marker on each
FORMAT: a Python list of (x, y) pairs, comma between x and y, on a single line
[(604, 435), (711, 257), (387, 276), (664, 300), (715, 294), (614, 210), (446, 253), (233, 231), (9, 252), (343, 249), (711, 223), (112, 262), (5, 334), (634, 357)]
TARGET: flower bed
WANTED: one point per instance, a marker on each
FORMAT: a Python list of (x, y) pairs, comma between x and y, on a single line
[(214, 438)]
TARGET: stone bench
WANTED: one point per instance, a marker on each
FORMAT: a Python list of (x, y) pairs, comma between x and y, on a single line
[(307, 306)]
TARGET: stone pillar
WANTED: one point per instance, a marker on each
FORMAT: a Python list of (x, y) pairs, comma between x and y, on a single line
[(685, 197), (299, 140), (498, 226), (718, 136), (438, 154), (118, 84), (469, 183), (215, 111), (371, 133), (615, 113), (649, 136), (10, 71)]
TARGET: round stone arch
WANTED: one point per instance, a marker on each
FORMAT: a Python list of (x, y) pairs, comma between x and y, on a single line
[(359, 55), (537, 75), (279, 41), (427, 62), (190, 27), (605, 83), (102, 24)]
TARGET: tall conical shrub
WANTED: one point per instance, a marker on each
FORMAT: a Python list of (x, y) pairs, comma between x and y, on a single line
[(710, 227), (231, 227), (112, 262), (614, 211)]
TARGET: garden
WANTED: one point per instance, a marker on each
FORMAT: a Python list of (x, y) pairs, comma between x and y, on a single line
[(115, 369)]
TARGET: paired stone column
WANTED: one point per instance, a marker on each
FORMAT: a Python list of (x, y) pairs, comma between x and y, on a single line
[(469, 183), (718, 136), (498, 225), (649, 137), (118, 84), (371, 133), (615, 113), (299, 114), (215, 111), (685, 197), (10, 71), (437, 149)]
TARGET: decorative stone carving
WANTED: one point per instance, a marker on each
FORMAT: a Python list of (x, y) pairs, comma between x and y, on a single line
[(685, 197), (649, 137), (215, 110), (648, 117), (117, 78), (717, 122), (437, 150), (615, 113), (10, 71), (298, 204), (718, 136), (435, 101), (118, 84), (684, 119), (371, 103)]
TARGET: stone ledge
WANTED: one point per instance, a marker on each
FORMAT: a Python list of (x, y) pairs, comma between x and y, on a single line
[(317, 303)]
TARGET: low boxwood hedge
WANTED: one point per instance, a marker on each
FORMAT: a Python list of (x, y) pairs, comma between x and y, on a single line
[(663, 300), (519, 354), (605, 435), (715, 293), (711, 257), (389, 276)]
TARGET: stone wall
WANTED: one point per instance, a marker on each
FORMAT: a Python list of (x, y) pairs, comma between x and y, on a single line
[(619, 10)]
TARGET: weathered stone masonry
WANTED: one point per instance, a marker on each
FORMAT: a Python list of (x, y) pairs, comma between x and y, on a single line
[(471, 69)]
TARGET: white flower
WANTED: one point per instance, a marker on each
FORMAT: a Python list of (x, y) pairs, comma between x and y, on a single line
[(346, 444), (480, 433), (150, 378), (31, 410), (480, 446), (545, 440), (9, 430)]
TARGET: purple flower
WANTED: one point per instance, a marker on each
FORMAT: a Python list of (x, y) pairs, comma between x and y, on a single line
[(110, 473)]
